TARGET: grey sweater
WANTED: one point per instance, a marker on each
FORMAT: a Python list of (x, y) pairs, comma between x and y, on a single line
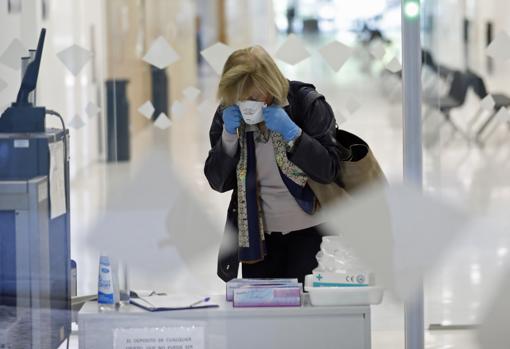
[(281, 211)]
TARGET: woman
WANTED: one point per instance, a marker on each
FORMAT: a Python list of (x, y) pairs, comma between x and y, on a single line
[(268, 137)]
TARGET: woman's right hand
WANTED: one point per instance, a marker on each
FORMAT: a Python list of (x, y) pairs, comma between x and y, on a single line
[(232, 119)]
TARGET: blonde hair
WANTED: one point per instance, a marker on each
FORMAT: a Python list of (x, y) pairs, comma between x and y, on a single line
[(251, 68)]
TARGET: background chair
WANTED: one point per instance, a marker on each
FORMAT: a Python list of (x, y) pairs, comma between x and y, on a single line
[(455, 98), (428, 60), (501, 100)]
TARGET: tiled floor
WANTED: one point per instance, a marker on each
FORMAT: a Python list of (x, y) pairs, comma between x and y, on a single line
[(150, 208)]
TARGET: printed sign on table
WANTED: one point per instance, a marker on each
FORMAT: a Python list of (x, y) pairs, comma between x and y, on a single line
[(185, 337)]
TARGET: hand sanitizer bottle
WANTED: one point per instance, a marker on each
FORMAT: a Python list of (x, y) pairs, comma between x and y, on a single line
[(105, 292)]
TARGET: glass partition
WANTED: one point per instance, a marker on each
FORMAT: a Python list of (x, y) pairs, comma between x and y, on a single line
[(136, 83), (465, 122)]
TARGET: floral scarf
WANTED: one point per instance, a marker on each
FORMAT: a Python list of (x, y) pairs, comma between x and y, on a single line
[(252, 246)]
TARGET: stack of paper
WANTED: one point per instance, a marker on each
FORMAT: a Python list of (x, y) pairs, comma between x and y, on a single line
[(237, 283), (172, 302), (268, 296)]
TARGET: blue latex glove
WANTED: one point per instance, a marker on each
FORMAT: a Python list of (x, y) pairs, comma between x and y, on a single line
[(232, 119), (277, 120)]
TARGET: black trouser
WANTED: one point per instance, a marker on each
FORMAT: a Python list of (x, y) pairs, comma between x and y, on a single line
[(292, 255)]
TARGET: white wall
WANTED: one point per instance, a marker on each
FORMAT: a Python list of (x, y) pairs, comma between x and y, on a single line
[(71, 22), (208, 12), (10, 26), (500, 16), (68, 23), (446, 40), (250, 22)]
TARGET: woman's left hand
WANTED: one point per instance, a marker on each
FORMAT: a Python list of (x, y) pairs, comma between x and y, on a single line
[(277, 120)]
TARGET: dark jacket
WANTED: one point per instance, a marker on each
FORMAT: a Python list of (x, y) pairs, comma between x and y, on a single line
[(316, 153)]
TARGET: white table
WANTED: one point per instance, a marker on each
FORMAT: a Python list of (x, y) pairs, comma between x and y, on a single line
[(236, 328)]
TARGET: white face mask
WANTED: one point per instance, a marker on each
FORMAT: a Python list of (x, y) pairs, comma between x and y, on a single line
[(251, 111)]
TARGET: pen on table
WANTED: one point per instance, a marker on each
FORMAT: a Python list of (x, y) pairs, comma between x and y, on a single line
[(206, 299)]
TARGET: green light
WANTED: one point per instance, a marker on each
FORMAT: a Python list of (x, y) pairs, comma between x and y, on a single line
[(412, 9)]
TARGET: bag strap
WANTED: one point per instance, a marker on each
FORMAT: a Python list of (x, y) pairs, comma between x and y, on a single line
[(310, 99)]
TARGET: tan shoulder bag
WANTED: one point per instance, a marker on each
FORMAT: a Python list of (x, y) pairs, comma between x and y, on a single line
[(359, 168)]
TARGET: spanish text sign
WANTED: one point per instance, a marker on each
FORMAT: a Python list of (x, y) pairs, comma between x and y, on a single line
[(189, 337)]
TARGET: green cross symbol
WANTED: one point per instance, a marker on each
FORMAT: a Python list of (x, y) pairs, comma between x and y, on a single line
[(319, 277)]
